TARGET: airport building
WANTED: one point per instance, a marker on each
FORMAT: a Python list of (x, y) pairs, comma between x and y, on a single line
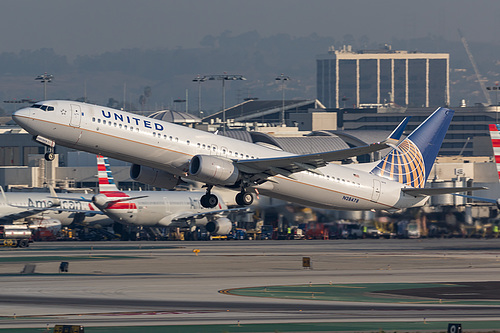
[(348, 78)]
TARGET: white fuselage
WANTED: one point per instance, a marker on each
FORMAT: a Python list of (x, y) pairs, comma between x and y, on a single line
[(158, 144), (161, 208), (18, 202)]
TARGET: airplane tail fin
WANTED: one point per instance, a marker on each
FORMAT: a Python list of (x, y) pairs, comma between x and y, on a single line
[(106, 180), (495, 141), (411, 161)]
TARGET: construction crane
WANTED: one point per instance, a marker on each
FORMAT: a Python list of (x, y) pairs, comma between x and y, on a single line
[(481, 83)]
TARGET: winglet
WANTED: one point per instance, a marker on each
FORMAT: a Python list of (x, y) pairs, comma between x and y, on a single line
[(398, 131)]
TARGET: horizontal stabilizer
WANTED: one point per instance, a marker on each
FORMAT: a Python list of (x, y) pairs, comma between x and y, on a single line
[(422, 192)]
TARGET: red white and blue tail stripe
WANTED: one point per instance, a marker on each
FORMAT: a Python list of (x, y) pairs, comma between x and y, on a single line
[(107, 187), (495, 141), (106, 180)]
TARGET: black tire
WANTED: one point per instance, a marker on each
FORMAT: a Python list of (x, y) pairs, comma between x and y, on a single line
[(204, 200), (209, 200), (244, 199), (50, 156), (212, 200)]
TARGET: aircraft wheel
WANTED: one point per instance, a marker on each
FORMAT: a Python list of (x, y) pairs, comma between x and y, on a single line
[(209, 200), (244, 198), (50, 156)]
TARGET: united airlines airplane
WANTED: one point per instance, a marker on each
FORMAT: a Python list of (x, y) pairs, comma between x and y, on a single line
[(163, 152)]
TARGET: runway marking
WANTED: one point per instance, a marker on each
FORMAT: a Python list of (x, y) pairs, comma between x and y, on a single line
[(399, 293)]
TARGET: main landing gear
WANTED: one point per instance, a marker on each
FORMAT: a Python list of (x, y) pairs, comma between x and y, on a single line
[(244, 198), (209, 200)]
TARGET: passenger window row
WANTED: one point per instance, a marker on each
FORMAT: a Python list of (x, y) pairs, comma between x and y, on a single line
[(176, 139)]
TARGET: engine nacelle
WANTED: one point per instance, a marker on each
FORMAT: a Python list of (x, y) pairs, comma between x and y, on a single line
[(153, 177), (101, 201), (213, 170), (220, 226)]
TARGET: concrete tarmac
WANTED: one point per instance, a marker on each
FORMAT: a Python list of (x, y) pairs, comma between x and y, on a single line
[(158, 283)]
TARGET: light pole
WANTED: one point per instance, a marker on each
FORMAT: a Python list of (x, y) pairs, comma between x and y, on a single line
[(199, 79), (177, 101), (224, 77), (44, 78), (282, 78)]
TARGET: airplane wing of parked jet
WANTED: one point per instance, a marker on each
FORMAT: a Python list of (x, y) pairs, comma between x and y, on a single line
[(28, 210), (493, 201), (191, 215)]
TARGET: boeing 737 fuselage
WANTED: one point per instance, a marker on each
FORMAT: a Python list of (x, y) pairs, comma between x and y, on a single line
[(163, 152)]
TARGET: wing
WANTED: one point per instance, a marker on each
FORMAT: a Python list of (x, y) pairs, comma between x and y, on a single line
[(287, 165), (191, 215), (29, 211)]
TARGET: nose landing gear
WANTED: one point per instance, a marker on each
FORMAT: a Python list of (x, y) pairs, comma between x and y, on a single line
[(50, 155)]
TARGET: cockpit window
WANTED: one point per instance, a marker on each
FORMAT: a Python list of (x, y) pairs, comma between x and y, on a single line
[(43, 107)]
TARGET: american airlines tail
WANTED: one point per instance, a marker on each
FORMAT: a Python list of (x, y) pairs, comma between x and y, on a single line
[(109, 196), (411, 161), (106, 181), (495, 141)]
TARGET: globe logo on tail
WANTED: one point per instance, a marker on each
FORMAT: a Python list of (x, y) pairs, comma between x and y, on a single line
[(404, 165)]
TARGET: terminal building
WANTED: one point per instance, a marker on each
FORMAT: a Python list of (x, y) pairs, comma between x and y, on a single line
[(346, 78)]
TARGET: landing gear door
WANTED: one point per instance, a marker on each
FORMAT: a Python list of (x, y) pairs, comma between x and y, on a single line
[(76, 115), (376, 190)]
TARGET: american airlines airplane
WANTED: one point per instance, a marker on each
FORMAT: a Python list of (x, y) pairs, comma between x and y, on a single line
[(163, 152), (46, 209), (495, 142), (157, 208)]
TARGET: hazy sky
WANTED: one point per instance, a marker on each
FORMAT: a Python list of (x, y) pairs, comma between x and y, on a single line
[(73, 27)]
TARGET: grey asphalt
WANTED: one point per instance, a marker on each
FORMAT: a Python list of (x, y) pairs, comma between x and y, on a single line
[(167, 283)]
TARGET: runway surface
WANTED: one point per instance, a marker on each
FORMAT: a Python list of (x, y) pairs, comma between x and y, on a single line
[(166, 283)]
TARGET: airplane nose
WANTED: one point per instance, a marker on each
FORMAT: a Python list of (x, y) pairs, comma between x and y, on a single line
[(21, 116)]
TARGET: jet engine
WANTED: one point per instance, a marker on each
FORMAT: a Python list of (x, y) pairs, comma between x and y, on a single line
[(213, 170), (153, 177), (101, 201), (220, 226)]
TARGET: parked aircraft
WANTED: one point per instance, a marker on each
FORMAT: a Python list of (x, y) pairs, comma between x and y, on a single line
[(163, 152), (45, 208), (157, 208), (495, 142)]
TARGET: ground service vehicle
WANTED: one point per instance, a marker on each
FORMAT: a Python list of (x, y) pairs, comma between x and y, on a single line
[(15, 235), (68, 329)]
